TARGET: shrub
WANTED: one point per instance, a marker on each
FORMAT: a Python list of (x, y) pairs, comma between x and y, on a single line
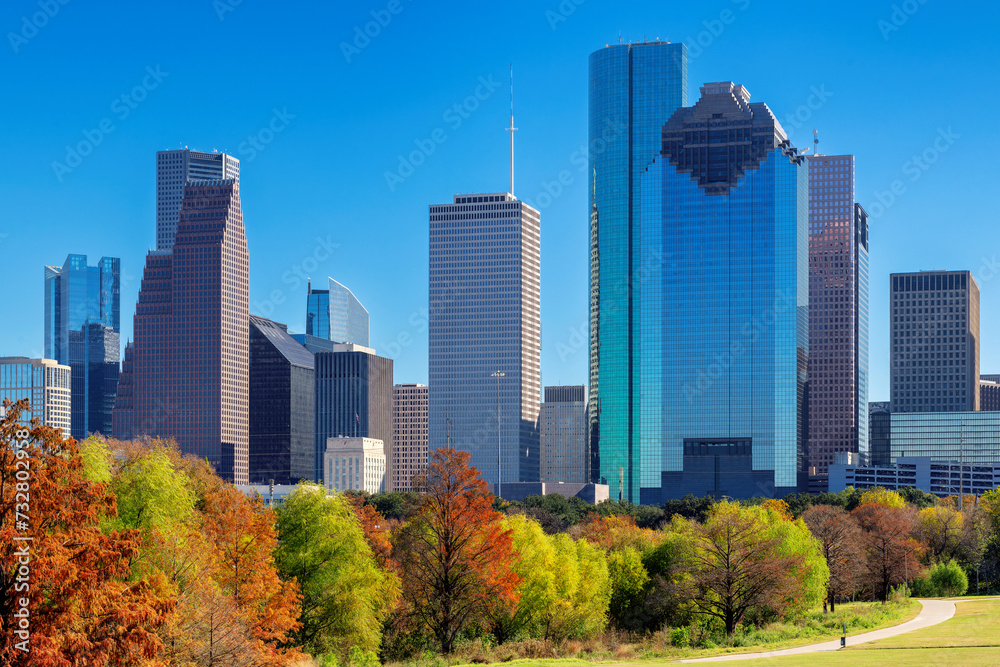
[(680, 637), (949, 579)]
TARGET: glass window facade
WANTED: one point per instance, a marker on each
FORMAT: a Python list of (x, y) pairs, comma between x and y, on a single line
[(879, 429), (720, 305), (563, 438), (634, 89), (46, 385), (336, 314), (82, 326), (972, 437)]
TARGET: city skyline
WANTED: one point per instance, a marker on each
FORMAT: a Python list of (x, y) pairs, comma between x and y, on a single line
[(111, 201)]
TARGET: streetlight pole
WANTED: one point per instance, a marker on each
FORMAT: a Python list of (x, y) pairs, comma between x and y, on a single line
[(498, 375)]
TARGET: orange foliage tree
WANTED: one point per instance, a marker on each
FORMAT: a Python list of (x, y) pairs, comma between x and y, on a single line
[(455, 556), (890, 553), (614, 533), (64, 585)]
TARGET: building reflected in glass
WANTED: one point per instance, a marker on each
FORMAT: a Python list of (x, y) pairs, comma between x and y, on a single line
[(337, 315)]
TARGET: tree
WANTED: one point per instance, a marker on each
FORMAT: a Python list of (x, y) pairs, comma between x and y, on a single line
[(584, 587), (840, 538), (346, 595), (941, 528), (881, 496), (616, 532), (74, 579), (628, 579), (889, 551), (741, 561), (948, 579), (455, 554), (535, 564)]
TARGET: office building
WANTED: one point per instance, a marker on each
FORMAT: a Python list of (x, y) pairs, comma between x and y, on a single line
[(174, 169), (967, 437), (185, 376), (940, 478), (934, 342), (82, 326), (590, 493), (353, 396), (720, 311), (563, 435), (282, 406), (633, 90), (838, 314), (46, 385), (879, 434), (989, 392), (409, 434), (336, 314), (354, 464), (484, 331)]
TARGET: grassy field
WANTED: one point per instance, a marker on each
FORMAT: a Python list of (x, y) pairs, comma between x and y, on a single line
[(971, 637)]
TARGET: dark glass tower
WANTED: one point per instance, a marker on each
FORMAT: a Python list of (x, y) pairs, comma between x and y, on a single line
[(282, 405), (185, 375), (879, 434), (82, 326), (720, 337), (634, 89)]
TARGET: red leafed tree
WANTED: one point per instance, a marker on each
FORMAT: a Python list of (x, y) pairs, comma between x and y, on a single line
[(376, 528), (840, 537), (82, 607), (890, 553), (454, 554)]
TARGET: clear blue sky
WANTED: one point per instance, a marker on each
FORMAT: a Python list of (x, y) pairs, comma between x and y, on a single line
[(889, 89)]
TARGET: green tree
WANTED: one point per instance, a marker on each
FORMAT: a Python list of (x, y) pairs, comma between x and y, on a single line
[(628, 579), (535, 564), (345, 596), (584, 590)]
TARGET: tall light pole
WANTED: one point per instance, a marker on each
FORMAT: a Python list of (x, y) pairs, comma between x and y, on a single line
[(498, 375)]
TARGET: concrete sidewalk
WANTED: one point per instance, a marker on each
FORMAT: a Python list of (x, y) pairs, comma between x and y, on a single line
[(932, 613)]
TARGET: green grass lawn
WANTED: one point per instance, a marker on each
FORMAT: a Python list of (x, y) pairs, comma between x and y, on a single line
[(971, 637)]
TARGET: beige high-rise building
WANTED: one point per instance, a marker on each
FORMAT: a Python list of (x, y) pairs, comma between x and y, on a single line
[(409, 434), (46, 385)]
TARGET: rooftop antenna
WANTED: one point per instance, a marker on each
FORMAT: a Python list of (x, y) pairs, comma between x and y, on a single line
[(512, 129), (815, 142)]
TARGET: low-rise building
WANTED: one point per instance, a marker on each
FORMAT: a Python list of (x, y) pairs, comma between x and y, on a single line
[(354, 464)]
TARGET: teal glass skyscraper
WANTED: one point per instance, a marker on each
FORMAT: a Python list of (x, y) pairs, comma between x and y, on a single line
[(634, 89), (720, 333)]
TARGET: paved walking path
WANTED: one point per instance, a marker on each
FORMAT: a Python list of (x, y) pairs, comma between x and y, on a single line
[(932, 613)]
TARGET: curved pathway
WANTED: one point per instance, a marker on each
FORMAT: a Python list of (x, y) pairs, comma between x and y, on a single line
[(932, 613)]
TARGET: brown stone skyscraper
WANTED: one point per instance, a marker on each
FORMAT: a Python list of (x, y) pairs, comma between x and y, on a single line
[(185, 374)]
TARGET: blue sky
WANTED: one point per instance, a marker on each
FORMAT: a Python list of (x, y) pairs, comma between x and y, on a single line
[(897, 81)]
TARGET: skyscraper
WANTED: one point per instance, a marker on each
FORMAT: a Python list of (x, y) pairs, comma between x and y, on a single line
[(82, 326), (46, 385), (934, 342), (719, 336), (634, 89), (562, 430), (337, 315), (173, 170), (185, 374), (879, 437), (282, 405), (409, 434), (838, 314), (485, 319)]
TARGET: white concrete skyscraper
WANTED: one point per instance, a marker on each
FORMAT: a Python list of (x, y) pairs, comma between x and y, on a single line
[(484, 320), (174, 169)]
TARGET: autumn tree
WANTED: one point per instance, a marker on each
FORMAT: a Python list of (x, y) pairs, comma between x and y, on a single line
[(72, 579), (346, 595), (840, 538), (889, 550), (615, 532), (942, 529), (455, 554)]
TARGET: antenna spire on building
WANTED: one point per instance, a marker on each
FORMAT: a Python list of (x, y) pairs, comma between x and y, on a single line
[(815, 142), (512, 129)]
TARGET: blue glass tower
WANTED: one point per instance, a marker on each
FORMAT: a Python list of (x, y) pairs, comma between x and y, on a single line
[(337, 315), (720, 305), (634, 89), (82, 326)]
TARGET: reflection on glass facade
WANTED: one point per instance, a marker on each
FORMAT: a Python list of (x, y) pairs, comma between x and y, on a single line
[(282, 405), (720, 306), (934, 341), (337, 315), (879, 425), (485, 316), (972, 437), (634, 89), (838, 314), (82, 325), (185, 374), (46, 385)]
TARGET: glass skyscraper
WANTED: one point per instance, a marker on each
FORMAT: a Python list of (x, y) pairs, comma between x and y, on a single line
[(838, 315), (173, 171), (934, 342), (634, 89), (46, 385), (82, 326), (562, 427), (337, 315), (485, 317), (185, 376), (719, 307)]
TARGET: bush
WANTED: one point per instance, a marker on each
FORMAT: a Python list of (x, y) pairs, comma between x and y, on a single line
[(949, 579), (680, 637)]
